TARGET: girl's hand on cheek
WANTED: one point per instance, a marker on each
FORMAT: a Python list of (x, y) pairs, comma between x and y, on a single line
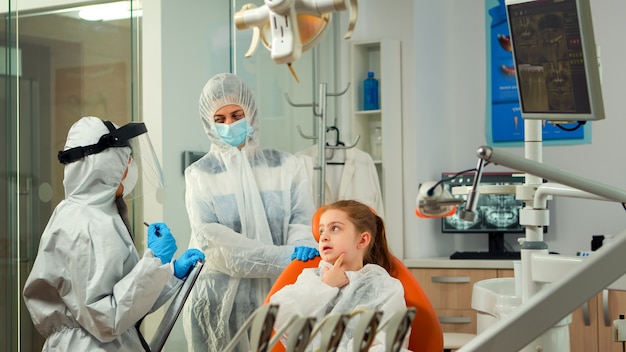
[(336, 277)]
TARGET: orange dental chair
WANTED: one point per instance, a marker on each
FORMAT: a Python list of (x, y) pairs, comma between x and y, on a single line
[(426, 333)]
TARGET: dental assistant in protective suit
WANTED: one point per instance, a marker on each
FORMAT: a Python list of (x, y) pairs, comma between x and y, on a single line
[(250, 212), (88, 287)]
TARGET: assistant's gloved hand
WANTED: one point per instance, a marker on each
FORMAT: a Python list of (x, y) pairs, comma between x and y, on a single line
[(183, 265), (304, 253), (161, 242)]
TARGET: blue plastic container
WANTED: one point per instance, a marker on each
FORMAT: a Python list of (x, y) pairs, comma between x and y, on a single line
[(370, 92)]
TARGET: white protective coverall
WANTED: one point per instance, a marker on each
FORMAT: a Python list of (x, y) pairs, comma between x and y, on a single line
[(88, 287), (371, 288), (248, 210)]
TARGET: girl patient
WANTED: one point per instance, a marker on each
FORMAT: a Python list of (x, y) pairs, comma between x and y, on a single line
[(353, 274)]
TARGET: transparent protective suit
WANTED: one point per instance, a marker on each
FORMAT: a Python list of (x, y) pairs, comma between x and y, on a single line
[(88, 286), (248, 210)]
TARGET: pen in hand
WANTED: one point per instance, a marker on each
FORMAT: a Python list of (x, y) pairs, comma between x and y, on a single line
[(156, 231)]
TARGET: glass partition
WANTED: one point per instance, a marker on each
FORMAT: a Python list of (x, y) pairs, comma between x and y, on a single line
[(56, 67)]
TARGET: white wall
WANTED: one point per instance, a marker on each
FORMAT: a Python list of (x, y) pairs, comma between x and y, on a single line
[(444, 102), (177, 61), (450, 96), (385, 20)]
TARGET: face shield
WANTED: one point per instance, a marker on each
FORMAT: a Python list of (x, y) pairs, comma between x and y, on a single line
[(143, 158), (130, 178)]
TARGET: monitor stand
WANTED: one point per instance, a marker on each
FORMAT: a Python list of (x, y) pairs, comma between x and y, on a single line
[(496, 242), (497, 250)]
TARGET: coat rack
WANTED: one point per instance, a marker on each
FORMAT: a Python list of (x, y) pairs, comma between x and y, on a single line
[(321, 137)]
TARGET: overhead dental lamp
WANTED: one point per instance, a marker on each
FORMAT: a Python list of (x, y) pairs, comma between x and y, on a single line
[(290, 27)]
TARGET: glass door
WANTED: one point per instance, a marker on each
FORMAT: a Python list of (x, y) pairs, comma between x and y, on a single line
[(57, 66)]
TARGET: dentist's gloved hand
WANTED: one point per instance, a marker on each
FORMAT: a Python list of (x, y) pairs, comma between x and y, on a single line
[(303, 253), (161, 242), (183, 265)]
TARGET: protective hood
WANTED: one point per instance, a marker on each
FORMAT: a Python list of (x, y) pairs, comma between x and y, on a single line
[(88, 287), (227, 89), (95, 178)]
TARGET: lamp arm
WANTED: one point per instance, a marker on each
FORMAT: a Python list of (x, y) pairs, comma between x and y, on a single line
[(280, 19), (553, 174)]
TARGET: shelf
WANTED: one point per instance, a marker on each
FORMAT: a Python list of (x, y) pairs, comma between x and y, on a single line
[(367, 112), (383, 57)]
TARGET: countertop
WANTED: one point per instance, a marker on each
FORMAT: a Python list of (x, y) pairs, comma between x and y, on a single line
[(447, 263)]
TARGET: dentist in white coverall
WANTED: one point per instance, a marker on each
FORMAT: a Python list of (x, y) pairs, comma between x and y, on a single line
[(250, 211), (88, 287)]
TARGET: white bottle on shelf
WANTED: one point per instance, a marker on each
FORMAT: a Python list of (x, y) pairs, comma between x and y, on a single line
[(376, 143)]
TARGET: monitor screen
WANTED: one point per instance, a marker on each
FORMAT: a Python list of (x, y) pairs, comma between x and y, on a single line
[(495, 213), (555, 59)]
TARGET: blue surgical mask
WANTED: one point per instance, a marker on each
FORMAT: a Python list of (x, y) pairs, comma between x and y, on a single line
[(235, 133)]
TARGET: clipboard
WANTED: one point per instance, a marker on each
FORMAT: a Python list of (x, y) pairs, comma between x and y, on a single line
[(174, 309)]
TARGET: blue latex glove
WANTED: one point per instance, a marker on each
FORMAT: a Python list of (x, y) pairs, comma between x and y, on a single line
[(303, 253), (183, 265), (161, 242)]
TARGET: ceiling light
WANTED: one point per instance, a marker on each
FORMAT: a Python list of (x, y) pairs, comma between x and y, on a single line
[(109, 12)]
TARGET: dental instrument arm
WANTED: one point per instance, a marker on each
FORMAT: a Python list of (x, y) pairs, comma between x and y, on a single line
[(542, 310), (512, 161), (469, 213)]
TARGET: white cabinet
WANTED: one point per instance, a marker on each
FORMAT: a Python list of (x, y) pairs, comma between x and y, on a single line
[(383, 57)]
